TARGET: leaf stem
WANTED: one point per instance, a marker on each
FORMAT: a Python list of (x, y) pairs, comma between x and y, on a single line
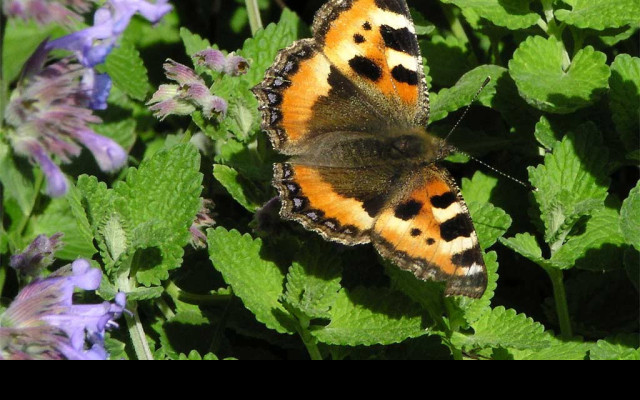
[(454, 22), (255, 21), (196, 299), (309, 341), (560, 297), (3, 277), (137, 335)]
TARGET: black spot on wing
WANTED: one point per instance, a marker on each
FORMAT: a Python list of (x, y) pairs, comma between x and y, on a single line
[(468, 257), (401, 74), (400, 39), (366, 26), (373, 205), (395, 6), (444, 200), (416, 232), (458, 226), (366, 68), (430, 241), (358, 38), (408, 210)]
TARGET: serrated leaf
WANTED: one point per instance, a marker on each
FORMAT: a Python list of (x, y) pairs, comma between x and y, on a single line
[(57, 217), (526, 245), (193, 42), (620, 347), (505, 328), (115, 237), (262, 48), (544, 134), (572, 182), (235, 185), (491, 222), (546, 82), (313, 281), (512, 14), (159, 202), (598, 14), (630, 217), (556, 350), (126, 68), (371, 316), (479, 187), (259, 283), (460, 95), (624, 98), (144, 293), (599, 248)]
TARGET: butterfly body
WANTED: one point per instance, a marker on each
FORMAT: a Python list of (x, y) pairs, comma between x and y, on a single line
[(350, 107)]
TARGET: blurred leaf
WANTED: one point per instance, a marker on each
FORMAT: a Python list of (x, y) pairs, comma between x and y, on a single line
[(597, 14)]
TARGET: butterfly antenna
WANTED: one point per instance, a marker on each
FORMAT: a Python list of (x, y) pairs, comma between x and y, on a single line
[(466, 110), (497, 171), (475, 97)]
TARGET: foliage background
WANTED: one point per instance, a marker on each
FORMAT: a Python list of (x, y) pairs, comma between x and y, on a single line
[(561, 112)]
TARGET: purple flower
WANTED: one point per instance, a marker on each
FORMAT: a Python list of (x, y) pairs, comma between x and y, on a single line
[(42, 322), (184, 98), (50, 113), (232, 64), (38, 256), (203, 221), (65, 12), (92, 45)]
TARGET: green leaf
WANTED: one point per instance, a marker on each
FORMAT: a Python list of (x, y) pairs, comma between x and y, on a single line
[(598, 14), (512, 14), (624, 98), (57, 217), (448, 58), (20, 40), (17, 177), (620, 347), (545, 134), (479, 187), (632, 266), (599, 248), (545, 79), (159, 201), (262, 48), (630, 217), (505, 328), (572, 182), (556, 350), (259, 283), (526, 245), (193, 42), (460, 95), (235, 185), (126, 68), (371, 316), (491, 222), (313, 281)]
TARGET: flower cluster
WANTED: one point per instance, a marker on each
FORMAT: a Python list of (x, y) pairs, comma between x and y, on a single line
[(51, 110), (38, 256), (204, 220), (47, 11), (191, 92), (42, 322)]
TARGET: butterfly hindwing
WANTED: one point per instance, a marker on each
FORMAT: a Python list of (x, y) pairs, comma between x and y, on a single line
[(428, 231)]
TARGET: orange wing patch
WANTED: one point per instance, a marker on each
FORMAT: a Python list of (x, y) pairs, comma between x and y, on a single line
[(373, 42), (308, 198), (298, 78), (430, 233)]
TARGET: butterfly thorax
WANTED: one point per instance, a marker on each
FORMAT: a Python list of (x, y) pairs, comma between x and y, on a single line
[(363, 149)]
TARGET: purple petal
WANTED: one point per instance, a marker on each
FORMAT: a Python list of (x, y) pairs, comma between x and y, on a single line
[(98, 87), (57, 184), (109, 155), (84, 276)]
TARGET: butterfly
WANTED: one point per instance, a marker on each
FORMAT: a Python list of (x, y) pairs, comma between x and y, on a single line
[(350, 107)]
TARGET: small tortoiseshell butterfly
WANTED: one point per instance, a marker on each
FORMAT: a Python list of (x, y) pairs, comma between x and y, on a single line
[(350, 107)]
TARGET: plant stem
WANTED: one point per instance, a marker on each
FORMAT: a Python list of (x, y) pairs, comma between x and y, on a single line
[(196, 299), (309, 341), (560, 297), (3, 277), (136, 332), (456, 27), (255, 21)]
